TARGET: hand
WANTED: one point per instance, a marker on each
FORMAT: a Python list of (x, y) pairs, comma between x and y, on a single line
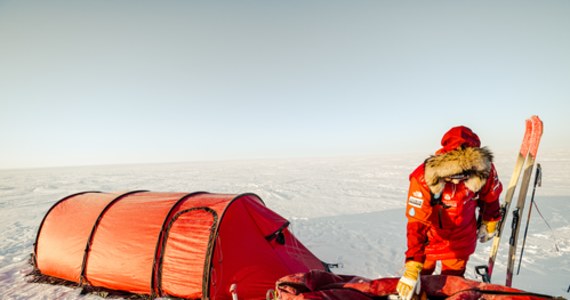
[(487, 231), (409, 284)]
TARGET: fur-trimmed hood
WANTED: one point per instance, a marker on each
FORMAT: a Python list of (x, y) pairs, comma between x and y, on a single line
[(473, 161)]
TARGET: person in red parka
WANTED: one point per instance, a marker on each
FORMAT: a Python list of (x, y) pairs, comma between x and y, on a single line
[(444, 195)]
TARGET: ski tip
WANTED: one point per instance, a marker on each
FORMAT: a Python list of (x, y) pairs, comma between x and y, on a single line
[(537, 130), (525, 146), (536, 121)]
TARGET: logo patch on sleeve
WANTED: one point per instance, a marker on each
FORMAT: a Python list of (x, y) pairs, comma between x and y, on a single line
[(417, 202)]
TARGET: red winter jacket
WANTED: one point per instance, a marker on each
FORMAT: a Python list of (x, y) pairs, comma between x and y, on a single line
[(442, 221)]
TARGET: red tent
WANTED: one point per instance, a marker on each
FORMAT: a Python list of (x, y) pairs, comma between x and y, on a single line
[(169, 244)]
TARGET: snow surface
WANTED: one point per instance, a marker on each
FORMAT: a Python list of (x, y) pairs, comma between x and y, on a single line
[(347, 210)]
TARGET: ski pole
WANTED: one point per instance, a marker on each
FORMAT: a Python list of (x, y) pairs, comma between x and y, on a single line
[(549, 227), (537, 182)]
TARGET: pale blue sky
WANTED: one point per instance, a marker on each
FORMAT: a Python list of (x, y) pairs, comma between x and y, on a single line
[(106, 82)]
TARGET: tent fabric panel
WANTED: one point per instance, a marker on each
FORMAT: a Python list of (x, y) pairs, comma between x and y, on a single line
[(188, 240), (295, 255), (64, 233), (243, 256), (266, 260), (266, 220), (124, 243)]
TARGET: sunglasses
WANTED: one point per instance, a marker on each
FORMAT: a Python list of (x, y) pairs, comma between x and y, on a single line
[(458, 177)]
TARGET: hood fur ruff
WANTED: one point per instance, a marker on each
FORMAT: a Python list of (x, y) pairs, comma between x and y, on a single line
[(473, 160)]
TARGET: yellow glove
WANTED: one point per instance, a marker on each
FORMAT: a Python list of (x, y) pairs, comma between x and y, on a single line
[(409, 284), (487, 230)]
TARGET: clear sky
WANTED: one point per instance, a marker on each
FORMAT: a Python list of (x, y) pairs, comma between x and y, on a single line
[(106, 82)]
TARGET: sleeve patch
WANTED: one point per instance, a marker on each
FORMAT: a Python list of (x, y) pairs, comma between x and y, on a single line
[(417, 202)]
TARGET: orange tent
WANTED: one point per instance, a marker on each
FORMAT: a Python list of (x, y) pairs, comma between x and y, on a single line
[(193, 245)]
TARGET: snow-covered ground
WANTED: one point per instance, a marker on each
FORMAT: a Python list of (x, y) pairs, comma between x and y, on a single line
[(347, 210)]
